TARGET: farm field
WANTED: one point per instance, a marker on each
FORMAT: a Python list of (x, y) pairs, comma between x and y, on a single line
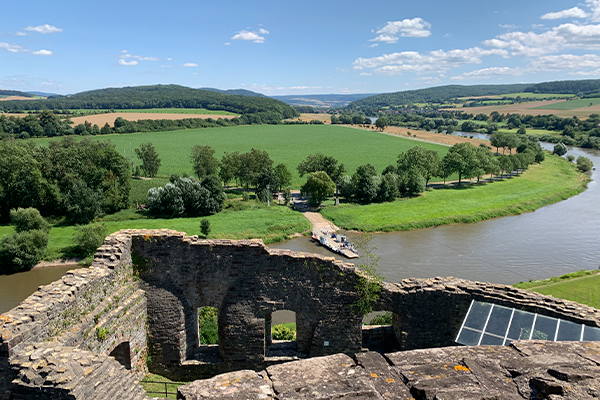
[(538, 108), (554, 180), (525, 96), (288, 144), (571, 104), (101, 119)]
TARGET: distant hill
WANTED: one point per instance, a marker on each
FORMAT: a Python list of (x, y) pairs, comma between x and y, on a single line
[(436, 94), (322, 100), (43, 94), (160, 96), (586, 86), (15, 93), (239, 92)]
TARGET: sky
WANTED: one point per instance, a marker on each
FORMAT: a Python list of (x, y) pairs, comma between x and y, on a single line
[(279, 47)]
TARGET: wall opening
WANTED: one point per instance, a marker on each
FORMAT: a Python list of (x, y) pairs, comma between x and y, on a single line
[(280, 334), (122, 353), (208, 335), (382, 331)]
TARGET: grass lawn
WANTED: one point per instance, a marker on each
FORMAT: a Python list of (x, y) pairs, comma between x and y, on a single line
[(288, 144), (152, 388), (581, 286), (570, 105), (554, 180)]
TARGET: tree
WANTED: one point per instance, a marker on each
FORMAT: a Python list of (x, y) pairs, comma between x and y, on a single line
[(584, 164), (424, 160), (88, 238), (382, 123), (321, 162), (388, 189), (560, 149), (149, 157), (318, 185), (521, 131), (267, 177), (27, 245), (28, 219), (462, 159), (229, 166), (505, 164), (486, 162), (204, 162), (284, 177), (365, 183), (84, 203), (412, 182), (205, 227)]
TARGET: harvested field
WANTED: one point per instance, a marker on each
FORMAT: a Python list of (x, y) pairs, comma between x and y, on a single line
[(326, 118), (102, 119), (432, 136), (17, 98), (531, 109)]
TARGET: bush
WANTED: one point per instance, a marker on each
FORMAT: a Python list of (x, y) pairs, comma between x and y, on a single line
[(205, 227), (28, 219), (584, 164), (22, 250), (208, 325), (282, 332), (88, 238), (186, 196), (382, 319)]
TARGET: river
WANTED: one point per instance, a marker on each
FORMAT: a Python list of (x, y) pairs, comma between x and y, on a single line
[(551, 241)]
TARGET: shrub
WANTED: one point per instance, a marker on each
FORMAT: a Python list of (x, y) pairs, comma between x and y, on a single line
[(88, 238), (282, 332), (22, 250), (28, 219), (205, 227), (382, 319), (584, 164), (207, 325)]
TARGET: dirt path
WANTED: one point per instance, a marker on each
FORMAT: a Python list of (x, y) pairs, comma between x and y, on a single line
[(318, 222)]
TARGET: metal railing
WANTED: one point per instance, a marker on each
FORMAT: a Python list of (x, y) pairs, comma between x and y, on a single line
[(166, 391)]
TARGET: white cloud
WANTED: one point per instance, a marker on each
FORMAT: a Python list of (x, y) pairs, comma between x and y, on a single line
[(594, 6), (251, 35), (507, 26), (416, 27), (227, 44), (21, 34), (586, 73), (567, 62), (190, 65), (13, 48), (169, 59), (435, 61), (565, 36), (574, 12), (486, 73), (43, 29), (123, 62), (42, 53)]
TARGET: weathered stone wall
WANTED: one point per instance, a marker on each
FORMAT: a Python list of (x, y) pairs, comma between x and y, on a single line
[(139, 301)]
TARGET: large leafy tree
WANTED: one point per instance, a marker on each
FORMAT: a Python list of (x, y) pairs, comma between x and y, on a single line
[(204, 161), (320, 162), (425, 161), (150, 160), (365, 183), (319, 186), (461, 159)]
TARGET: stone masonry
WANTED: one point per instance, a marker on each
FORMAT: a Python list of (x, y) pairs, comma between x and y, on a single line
[(138, 304)]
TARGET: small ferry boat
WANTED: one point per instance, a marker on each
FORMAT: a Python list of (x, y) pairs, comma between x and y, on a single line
[(336, 243)]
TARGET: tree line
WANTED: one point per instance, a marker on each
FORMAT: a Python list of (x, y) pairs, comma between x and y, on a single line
[(156, 96)]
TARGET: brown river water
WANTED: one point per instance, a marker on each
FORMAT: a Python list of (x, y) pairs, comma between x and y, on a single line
[(554, 240)]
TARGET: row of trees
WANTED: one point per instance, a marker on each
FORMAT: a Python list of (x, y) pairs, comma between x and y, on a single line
[(80, 180), (412, 173)]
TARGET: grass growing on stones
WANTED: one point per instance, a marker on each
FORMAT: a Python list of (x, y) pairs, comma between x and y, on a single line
[(554, 180), (581, 286)]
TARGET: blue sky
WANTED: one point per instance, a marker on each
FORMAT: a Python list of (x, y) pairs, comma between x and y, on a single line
[(279, 47)]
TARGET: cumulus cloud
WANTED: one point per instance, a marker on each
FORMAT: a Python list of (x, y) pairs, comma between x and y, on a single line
[(565, 36), (190, 65), (574, 12), (43, 29), (123, 62), (254, 36), (569, 62), (42, 53), (486, 73), (594, 6), (390, 33), (13, 48), (435, 61)]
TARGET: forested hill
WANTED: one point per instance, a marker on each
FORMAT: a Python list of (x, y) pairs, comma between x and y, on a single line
[(585, 87), (14, 93), (156, 96), (435, 94), (240, 92)]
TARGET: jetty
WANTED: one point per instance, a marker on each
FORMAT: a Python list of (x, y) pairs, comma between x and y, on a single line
[(336, 243)]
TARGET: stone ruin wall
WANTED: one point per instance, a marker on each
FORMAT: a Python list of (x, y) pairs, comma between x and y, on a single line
[(140, 298)]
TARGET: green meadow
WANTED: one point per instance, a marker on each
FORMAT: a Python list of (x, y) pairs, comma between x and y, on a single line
[(581, 286), (554, 180), (288, 144)]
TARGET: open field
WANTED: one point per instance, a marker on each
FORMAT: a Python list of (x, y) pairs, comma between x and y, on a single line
[(101, 119), (554, 180), (201, 111), (523, 96), (537, 108), (571, 105), (326, 118), (581, 286), (288, 144), (18, 98)]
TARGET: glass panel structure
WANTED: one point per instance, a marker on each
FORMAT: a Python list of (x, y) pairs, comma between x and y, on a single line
[(491, 324)]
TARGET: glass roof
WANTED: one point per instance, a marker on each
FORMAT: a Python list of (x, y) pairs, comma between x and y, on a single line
[(491, 324)]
